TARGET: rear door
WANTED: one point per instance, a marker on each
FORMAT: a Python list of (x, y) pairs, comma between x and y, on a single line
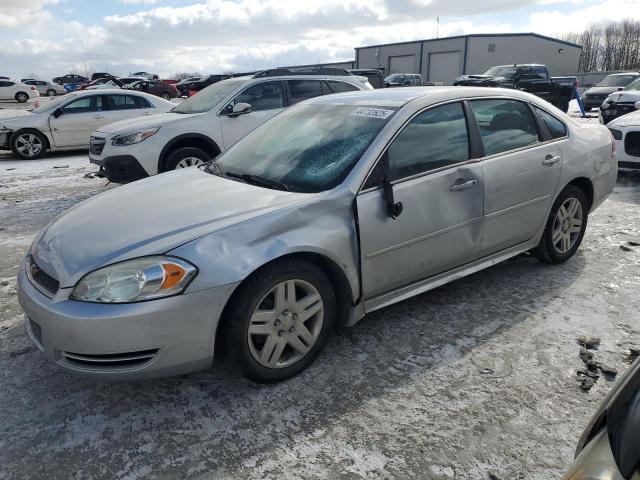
[(123, 106), (521, 172), (266, 100), (78, 120), (6, 90), (441, 191)]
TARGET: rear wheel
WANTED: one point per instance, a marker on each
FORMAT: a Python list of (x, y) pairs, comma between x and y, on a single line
[(28, 144), (22, 97), (565, 227), (280, 319), (51, 93), (186, 157)]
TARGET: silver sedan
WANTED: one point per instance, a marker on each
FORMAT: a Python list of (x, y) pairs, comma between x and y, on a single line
[(338, 207)]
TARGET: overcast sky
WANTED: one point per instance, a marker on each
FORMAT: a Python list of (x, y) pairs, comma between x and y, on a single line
[(52, 37)]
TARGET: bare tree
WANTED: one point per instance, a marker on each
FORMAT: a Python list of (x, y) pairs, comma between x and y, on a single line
[(615, 46), (183, 75)]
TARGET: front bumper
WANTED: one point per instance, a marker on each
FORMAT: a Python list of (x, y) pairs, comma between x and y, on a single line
[(4, 139), (120, 168), (133, 341), (615, 110)]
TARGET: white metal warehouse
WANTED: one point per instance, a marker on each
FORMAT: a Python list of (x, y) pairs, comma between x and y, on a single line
[(444, 59)]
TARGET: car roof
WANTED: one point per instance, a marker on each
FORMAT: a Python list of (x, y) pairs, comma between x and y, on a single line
[(398, 97), (623, 73)]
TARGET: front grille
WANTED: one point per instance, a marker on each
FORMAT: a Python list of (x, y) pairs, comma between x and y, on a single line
[(110, 361), (96, 145), (42, 278), (632, 144)]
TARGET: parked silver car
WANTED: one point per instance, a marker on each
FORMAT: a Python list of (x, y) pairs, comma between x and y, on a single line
[(49, 89), (335, 208)]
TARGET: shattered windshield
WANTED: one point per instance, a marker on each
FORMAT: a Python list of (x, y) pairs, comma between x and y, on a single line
[(208, 98), (506, 72), (307, 148)]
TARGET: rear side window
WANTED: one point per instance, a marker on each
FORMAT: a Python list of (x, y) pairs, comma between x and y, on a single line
[(84, 105), (262, 96), (123, 102), (433, 139), (538, 72), (303, 89), (555, 126), (5, 84), (504, 125), (337, 87)]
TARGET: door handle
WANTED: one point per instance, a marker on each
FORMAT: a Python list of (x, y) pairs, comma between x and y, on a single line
[(551, 159), (462, 184), (99, 116)]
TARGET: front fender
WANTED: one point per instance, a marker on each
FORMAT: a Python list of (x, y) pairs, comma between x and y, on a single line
[(325, 227)]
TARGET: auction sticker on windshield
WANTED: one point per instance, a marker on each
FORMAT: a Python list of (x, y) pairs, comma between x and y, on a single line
[(372, 112)]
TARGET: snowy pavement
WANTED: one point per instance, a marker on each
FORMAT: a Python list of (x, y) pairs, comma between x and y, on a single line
[(473, 379)]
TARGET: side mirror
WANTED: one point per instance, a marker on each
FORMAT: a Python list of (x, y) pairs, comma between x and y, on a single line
[(57, 112), (620, 89), (240, 109), (638, 105), (394, 209)]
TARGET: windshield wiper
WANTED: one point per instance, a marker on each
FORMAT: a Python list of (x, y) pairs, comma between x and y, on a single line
[(259, 180)]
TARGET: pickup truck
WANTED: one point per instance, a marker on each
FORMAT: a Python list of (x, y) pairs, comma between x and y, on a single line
[(532, 78)]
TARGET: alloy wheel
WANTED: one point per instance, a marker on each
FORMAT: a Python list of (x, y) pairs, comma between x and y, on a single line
[(29, 145), (567, 225), (286, 324), (190, 162)]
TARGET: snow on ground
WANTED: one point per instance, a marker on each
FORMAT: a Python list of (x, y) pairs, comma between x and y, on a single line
[(473, 379)]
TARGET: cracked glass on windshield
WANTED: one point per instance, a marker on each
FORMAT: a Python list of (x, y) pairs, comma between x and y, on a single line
[(308, 148)]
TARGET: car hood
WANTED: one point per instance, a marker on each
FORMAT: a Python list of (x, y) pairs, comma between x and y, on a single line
[(148, 217), (628, 120), (147, 121), (9, 113), (600, 91), (625, 96)]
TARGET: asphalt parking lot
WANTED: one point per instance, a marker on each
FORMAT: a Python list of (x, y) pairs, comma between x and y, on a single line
[(474, 380)]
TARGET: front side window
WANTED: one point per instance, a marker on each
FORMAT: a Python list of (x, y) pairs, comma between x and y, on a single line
[(433, 139), (307, 148), (524, 73), (303, 89), (555, 126), (84, 105), (504, 125), (5, 84), (262, 96)]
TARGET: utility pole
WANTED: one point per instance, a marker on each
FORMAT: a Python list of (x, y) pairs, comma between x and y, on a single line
[(437, 26)]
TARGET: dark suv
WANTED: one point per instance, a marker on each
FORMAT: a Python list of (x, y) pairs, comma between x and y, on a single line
[(375, 77), (70, 78)]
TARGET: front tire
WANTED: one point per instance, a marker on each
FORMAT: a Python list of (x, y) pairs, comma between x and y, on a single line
[(22, 97), (51, 93), (565, 227), (28, 144), (186, 157), (279, 320)]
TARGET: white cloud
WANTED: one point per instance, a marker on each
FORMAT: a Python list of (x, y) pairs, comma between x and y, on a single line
[(241, 35)]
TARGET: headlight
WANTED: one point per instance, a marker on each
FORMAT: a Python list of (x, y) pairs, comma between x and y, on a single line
[(135, 280), (134, 137)]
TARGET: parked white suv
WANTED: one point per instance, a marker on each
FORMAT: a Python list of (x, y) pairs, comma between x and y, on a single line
[(205, 125), (10, 90)]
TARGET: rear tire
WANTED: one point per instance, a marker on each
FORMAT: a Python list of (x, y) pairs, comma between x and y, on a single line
[(22, 97), (290, 308), (186, 157), (166, 96), (565, 227), (51, 93), (28, 144)]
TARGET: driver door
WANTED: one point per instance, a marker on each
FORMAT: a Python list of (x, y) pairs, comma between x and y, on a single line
[(441, 190), (266, 100), (78, 120)]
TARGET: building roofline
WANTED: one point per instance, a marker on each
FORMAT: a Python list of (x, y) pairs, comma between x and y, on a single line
[(320, 63), (476, 35)]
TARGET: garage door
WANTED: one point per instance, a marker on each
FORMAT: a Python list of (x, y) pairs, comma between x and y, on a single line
[(444, 67), (402, 64)]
